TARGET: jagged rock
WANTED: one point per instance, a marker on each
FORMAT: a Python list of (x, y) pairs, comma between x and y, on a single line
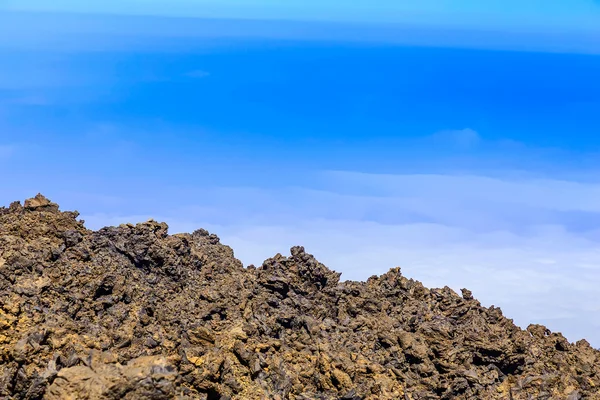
[(133, 312), (40, 203)]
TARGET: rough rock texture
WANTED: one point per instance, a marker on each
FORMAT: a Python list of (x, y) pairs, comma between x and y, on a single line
[(130, 312)]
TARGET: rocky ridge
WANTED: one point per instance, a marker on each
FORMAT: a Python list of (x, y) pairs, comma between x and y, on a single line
[(131, 312)]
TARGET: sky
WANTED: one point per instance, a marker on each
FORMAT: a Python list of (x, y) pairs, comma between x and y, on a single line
[(461, 144), (549, 14)]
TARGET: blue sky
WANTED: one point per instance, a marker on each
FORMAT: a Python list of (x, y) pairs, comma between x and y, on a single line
[(506, 14), (461, 144)]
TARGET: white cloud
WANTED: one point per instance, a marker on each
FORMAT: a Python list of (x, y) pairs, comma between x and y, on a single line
[(515, 242)]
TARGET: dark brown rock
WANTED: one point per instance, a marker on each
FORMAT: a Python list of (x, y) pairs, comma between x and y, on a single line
[(132, 312)]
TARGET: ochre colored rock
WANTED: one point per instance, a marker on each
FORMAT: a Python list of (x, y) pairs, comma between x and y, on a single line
[(40, 202), (131, 312)]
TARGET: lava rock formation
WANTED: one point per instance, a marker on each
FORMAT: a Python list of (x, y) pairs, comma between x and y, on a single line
[(131, 312)]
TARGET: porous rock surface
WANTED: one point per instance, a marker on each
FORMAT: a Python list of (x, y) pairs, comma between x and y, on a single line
[(131, 312)]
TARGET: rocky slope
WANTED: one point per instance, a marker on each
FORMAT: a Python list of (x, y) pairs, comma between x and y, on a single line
[(130, 312)]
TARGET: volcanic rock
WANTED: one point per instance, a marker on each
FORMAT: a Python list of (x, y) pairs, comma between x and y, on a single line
[(131, 312)]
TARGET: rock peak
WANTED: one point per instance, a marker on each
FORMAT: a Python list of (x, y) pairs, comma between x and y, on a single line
[(40, 202)]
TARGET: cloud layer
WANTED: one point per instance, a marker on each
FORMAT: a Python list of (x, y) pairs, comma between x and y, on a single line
[(526, 245), (99, 139), (103, 31)]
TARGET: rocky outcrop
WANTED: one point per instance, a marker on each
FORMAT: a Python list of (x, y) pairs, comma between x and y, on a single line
[(131, 312)]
